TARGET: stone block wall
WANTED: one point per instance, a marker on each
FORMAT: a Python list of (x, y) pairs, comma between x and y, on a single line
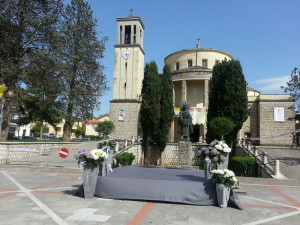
[(268, 127), (130, 125)]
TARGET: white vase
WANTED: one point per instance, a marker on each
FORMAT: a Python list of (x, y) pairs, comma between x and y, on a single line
[(207, 168), (223, 165), (90, 175), (223, 193)]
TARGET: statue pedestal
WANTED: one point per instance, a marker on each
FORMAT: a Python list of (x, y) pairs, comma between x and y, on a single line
[(184, 153)]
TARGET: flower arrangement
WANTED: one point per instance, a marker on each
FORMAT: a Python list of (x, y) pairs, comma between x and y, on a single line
[(226, 177), (106, 143), (217, 151), (222, 148), (204, 152), (94, 156)]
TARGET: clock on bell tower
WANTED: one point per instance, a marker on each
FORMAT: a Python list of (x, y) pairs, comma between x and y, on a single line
[(128, 76)]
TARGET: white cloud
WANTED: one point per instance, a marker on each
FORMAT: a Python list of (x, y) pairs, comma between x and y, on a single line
[(270, 84)]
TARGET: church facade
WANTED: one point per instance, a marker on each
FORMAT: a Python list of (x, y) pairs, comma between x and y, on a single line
[(191, 73)]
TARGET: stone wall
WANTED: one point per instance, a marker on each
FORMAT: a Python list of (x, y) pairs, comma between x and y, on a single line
[(268, 127), (168, 158), (260, 122), (130, 125)]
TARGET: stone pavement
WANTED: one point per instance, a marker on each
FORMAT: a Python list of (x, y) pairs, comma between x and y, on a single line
[(42, 195)]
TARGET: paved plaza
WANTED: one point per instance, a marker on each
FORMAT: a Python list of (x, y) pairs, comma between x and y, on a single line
[(39, 195)]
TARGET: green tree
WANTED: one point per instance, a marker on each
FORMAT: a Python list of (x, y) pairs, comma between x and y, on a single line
[(27, 29), (80, 131), (293, 88), (166, 109), (227, 97), (221, 126), (40, 101), (105, 128), (37, 128), (82, 74), (150, 107)]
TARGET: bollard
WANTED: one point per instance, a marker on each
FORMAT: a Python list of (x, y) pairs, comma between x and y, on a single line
[(117, 147), (255, 152), (265, 159), (125, 143), (248, 147), (277, 169)]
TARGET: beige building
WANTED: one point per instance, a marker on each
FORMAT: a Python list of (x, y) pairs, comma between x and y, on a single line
[(191, 73), (128, 76)]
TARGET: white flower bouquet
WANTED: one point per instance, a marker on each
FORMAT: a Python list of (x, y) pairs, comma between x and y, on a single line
[(94, 156), (222, 148), (226, 177)]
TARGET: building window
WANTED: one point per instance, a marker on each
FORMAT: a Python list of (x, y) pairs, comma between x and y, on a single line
[(190, 63), (204, 62), (195, 91), (177, 66), (127, 34), (134, 34)]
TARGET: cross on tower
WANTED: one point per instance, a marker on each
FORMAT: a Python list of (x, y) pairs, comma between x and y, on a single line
[(198, 45)]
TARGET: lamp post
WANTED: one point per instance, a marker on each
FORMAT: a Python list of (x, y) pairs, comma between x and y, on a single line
[(9, 95)]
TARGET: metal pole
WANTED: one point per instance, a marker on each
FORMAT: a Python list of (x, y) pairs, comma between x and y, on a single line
[(2, 101)]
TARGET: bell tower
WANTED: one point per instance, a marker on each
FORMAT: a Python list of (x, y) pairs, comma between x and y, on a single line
[(128, 76)]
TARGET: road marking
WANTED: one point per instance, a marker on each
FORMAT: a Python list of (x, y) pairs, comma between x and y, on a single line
[(55, 217), (55, 182), (87, 214), (269, 207), (142, 214), (273, 218), (286, 197), (275, 203)]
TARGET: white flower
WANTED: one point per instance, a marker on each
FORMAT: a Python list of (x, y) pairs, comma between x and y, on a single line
[(227, 150), (224, 145), (98, 153), (219, 147), (221, 143), (234, 179), (229, 172), (217, 171)]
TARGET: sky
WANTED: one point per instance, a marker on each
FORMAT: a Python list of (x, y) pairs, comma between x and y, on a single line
[(264, 35)]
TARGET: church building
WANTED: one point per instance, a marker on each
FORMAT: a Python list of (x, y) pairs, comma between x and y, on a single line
[(269, 115)]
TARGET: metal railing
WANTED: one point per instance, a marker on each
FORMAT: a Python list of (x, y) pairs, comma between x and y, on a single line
[(267, 163)]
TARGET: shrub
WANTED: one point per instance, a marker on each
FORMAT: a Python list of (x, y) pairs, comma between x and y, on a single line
[(243, 166), (125, 159)]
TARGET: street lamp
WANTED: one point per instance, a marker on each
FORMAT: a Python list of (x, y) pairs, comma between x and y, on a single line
[(2, 101)]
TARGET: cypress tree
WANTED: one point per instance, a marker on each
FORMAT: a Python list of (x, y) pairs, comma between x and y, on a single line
[(166, 108), (228, 97), (150, 107)]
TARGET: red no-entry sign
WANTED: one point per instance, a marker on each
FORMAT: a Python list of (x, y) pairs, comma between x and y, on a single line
[(63, 153)]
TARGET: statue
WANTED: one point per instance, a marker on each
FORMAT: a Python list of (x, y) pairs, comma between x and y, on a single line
[(185, 126)]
